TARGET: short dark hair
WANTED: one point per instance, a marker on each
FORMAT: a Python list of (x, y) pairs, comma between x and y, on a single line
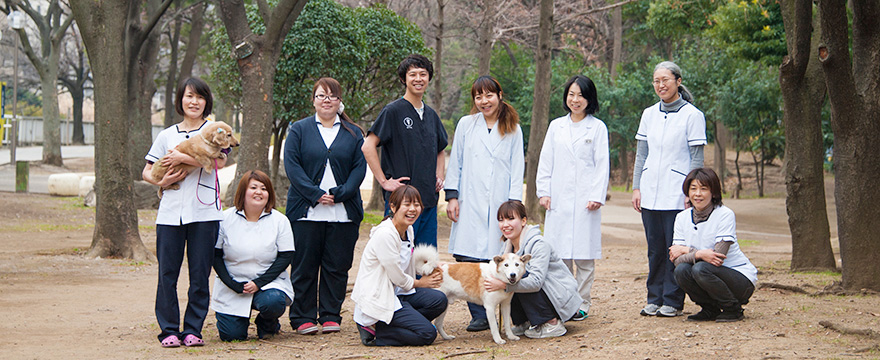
[(707, 177), (257, 175), (401, 194), (588, 90), (200, 87), (415, 61)]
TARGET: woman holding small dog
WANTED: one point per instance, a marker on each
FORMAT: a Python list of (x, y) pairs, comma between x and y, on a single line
[(253, 250), (187, 222), (325, 165), (392, 307), (548, 293), (485, 169)]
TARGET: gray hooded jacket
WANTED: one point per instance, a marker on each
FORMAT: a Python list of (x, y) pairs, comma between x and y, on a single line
[(545, 271)]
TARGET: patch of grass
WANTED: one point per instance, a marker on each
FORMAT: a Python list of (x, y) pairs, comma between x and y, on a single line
[(47, 227), (146, 227), (281, 210), (619, 188), (747, 242), (133, 263), (819, 273), (373, 217), (71, 203)]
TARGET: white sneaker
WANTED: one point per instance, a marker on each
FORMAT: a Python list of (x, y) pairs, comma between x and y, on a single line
[(668, 311), (650, 310), (546, 330), (520, 330)]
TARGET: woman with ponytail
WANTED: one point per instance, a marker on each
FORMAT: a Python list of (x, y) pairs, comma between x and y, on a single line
[(325, 165), (485, 169), (671, 137)]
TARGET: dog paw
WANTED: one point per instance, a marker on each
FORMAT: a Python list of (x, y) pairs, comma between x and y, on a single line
[(500, 341), (513, 337), (447, 337)]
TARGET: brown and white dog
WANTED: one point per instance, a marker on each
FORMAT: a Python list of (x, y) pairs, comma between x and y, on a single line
[(465, 281), (205, 148)]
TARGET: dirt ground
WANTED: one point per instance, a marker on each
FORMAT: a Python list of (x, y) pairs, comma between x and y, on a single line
[(57, 304)]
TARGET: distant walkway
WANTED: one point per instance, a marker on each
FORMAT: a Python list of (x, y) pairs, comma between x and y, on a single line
[(39, 183)]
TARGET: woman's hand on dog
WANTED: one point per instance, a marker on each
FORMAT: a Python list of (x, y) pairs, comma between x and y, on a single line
[(174, 157), (493, 284), (171, 177), (430, 281)]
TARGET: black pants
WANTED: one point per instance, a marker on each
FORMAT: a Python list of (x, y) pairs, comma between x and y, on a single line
[(411, 324), (195, 240), (534, 307), (477, 310), (714, 287), (662, 288), (325, 248)]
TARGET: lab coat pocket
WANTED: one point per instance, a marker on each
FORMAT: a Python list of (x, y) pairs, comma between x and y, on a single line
[(585, 152), (678, 172)]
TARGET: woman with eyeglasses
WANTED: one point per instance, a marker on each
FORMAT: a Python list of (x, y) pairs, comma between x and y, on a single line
[(671, 137), (325, 165)]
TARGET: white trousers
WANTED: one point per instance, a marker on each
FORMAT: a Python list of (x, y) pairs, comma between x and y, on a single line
[(584, 275)]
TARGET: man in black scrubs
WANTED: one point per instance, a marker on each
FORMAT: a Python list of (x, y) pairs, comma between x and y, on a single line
[(413, 141)]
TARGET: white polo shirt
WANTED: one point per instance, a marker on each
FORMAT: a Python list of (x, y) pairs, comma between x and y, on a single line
[(196, 200), (249, 249), (669, 136), (721, 226)]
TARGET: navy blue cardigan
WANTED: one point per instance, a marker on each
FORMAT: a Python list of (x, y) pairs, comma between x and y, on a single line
[(305, 158)]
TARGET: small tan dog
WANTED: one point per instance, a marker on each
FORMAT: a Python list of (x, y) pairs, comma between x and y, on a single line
[(205, 148), (465, 281)]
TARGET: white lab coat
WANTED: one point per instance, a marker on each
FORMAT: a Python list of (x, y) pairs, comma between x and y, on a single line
[(669, 136), (487, 170), (572, 171)]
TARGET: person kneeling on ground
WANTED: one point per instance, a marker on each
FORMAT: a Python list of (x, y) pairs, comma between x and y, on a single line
[(392, 307), (548, 289), (253, 250), (709, 264)]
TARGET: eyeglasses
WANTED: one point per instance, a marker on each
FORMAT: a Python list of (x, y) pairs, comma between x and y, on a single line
[(323, 97), (664, 80)]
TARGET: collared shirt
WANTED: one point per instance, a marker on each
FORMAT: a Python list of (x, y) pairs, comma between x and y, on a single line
[(321, 212), (197, 198), (721, 226), (249, 249)]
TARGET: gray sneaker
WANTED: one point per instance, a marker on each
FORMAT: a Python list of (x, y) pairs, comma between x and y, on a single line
[(668, 311), (546, 330), (650, 310), (520, 330)]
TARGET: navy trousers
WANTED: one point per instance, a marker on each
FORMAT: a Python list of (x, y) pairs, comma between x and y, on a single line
[(271, 305), (662, 288), (325, 249), (411, 325), (197, 241), (714, 287), (534, 307)]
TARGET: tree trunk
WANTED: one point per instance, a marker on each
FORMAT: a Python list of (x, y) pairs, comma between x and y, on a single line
[(721, 136), (485, 33), (803, 92), (193, 42), (739, 178), (77, 96), (51, 121), (438, 59), (141, 88), (853, 85), (617, 41), (540, 108), (171, 80), (103, 26), (257, 56)]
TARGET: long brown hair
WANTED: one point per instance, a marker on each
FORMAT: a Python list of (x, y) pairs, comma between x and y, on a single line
[(332, 86), (507, 116)]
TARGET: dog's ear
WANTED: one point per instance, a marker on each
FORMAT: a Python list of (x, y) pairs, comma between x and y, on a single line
[(497, 259), (525, 258)]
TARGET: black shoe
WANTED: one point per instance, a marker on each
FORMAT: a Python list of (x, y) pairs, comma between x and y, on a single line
[(367, 338), (705, 314), (478, 325), (730, 316)]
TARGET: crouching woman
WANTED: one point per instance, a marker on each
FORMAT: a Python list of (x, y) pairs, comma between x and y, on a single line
[(392, 307), (548, 293), (709, 264), (253, 251)]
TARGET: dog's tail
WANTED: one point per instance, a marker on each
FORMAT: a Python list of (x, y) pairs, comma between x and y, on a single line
[(425, 259)]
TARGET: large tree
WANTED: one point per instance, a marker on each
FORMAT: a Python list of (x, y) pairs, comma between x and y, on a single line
[(853, 81), (113, 42), (540, 108), (75, 75), (803, 91), (257, 54), (52, 26)]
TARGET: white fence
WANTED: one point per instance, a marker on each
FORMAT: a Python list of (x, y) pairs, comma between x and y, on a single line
[(30, 131)]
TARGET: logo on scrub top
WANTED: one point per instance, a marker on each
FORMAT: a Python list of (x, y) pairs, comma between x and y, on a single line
[(408, 122)]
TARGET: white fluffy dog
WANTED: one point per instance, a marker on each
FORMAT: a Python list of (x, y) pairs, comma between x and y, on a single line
[(465, 281)]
